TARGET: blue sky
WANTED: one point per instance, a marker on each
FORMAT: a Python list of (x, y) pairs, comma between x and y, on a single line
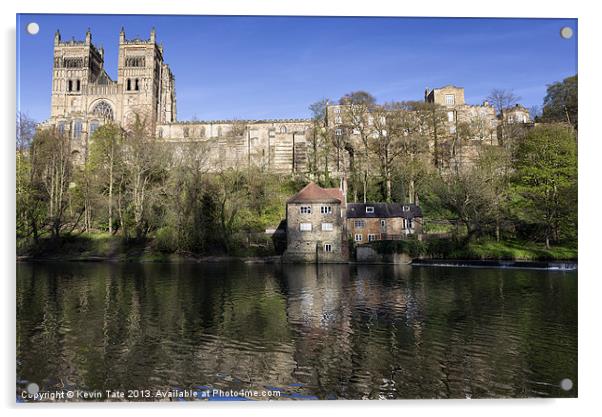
[(275, 67)]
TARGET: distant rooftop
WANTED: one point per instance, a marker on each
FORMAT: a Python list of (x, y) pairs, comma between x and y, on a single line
[(383, 210)]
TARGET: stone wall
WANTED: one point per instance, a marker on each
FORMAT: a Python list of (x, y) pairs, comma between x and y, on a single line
[(366, 254), (437, 95), (308, 246), (277, 145)]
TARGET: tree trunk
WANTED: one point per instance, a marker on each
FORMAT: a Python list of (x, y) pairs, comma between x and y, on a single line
[(389, 193), (412, 192), (111, 198), (365, 186), (497, 230)]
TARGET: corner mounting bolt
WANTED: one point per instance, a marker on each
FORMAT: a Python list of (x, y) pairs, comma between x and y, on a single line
[(566, 32), (33, 28)]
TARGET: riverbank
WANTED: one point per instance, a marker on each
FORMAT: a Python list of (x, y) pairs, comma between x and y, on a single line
[(486, 250), (103, 247)]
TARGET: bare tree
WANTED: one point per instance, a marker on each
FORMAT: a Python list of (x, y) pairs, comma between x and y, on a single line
[(392, 125), (26, 129), (145, 166), (106, 160), (230, 194), (431, 121), (358, 120), (52, 158), (502, 100)]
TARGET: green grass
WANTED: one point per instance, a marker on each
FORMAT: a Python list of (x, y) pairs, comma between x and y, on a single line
[(480, 250), (516, 250)]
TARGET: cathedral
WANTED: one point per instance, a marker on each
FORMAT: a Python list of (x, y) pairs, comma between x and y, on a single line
[(84, 97)]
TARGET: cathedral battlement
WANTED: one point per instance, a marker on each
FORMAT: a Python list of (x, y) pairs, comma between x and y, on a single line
[(234, 121)]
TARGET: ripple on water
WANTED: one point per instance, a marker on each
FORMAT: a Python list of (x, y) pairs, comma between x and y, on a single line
[(338, 331)]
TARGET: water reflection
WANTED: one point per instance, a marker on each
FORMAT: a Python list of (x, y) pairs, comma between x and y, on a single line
[(328, 331)]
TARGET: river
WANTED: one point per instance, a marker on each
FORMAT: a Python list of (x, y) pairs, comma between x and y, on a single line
[(297, 331)]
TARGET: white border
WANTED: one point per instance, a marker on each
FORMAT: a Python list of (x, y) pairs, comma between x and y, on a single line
[(590, 154)]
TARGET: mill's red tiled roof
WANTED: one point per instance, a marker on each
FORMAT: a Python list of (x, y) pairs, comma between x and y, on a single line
[(313, 193), (336, 193)]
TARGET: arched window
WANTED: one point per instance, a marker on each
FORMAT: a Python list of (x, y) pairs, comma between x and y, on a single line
[(282, 129), (160, 132), (93, 126), (77, 129), (61, 128), (137, 84), (129, 85), (103, 109)]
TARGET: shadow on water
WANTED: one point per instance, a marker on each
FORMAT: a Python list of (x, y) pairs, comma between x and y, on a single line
[(307, 332)]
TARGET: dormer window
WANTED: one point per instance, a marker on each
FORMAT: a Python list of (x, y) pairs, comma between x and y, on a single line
[(369, 209), (406, 208)]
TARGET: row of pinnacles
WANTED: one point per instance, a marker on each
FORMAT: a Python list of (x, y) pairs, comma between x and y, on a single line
[(84, 97)]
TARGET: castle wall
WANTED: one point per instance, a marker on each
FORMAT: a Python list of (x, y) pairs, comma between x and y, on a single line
[(438, 96), (278, 145)]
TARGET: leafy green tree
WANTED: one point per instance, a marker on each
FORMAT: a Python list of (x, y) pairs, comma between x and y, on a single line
[(30, 205), (468, 197), (560, 103), (494, 166), (545, 181)]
